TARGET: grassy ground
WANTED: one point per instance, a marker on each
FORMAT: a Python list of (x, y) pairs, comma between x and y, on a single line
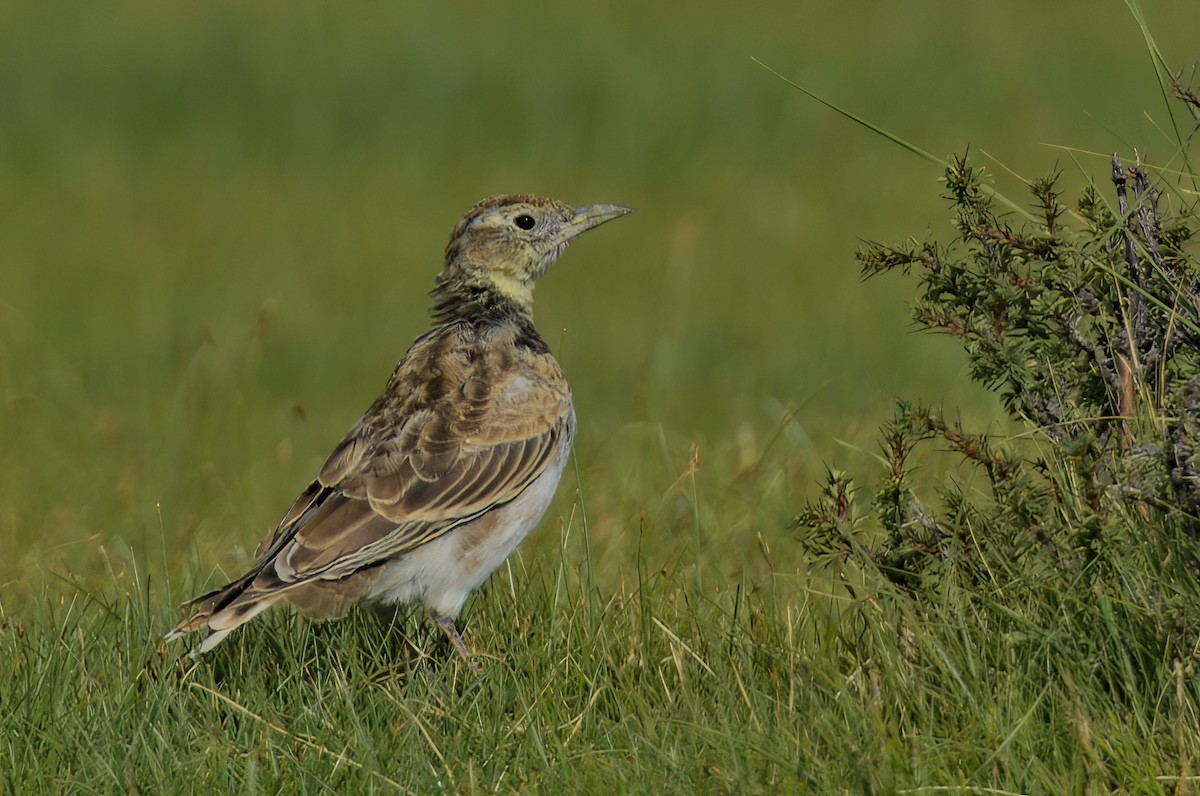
[(217, 227)]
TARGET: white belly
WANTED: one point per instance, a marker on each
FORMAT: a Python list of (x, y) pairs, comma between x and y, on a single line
[(440, 574)]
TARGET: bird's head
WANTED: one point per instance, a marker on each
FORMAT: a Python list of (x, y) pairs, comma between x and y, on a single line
[(503, 244)]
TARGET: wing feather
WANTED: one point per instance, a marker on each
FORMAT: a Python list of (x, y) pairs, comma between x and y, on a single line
[(467, 422), (417, 466)]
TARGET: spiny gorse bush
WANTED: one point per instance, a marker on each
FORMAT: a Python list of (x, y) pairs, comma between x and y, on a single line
[(1064, 554)]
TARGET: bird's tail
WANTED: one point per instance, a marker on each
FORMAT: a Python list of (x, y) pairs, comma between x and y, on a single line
[(222, 611)]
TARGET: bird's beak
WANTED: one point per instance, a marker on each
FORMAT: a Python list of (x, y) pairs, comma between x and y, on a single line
[(589, 216)]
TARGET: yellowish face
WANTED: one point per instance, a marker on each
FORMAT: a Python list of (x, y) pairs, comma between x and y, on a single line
[(507, 242), (517, 241)]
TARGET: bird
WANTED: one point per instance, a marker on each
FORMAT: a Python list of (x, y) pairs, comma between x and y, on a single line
[(452, 465)]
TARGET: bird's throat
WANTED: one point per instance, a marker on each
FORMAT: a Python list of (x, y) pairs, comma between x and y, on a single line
[(516, 290), (495, 296)]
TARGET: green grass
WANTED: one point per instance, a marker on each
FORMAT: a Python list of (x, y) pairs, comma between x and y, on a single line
[(218, 224), (663, 684)]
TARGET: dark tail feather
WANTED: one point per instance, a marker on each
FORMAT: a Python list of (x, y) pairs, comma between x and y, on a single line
[(234, 601)]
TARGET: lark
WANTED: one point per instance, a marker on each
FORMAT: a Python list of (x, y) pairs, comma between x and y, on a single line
[(453, 465)]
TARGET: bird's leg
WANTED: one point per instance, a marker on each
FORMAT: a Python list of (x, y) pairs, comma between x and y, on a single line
[(447, 626)]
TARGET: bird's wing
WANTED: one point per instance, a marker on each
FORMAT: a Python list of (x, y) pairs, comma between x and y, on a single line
[(458, 431), (392, 485)]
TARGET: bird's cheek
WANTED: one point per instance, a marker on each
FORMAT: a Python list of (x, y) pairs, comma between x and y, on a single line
[(548, 259)]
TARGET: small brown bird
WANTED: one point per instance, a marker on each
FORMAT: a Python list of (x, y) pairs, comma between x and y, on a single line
[(452, 465)]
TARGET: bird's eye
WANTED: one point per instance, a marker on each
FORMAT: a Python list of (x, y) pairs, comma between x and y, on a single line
[(524, 221)]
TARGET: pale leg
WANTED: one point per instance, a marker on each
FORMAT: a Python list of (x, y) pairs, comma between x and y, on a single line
[(447, 626)]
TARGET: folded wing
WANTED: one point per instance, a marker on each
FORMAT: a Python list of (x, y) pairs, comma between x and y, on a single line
[(412, 469)]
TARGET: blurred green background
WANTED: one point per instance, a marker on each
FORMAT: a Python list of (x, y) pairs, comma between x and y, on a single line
[(219, 222)]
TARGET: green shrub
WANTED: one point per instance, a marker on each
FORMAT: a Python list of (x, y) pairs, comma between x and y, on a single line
[(1063, 555)]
